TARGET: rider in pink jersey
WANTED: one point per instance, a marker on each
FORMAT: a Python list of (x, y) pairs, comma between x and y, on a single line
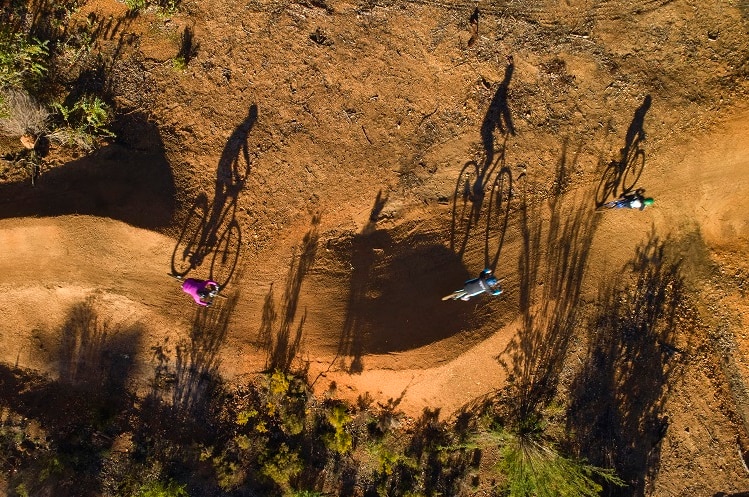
[(200, 290)]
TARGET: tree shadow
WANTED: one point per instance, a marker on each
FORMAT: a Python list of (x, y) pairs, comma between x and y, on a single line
[(551, 268), (620, 176), (284, 345), (618, 396), (94, 354), (196, 377), (393, 286), (129, 180), (213, 230), (80, 414)]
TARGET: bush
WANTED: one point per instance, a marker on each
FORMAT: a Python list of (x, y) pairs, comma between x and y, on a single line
[(84, 122), (22, 59), (339, 440), (534, 468), (158, 488)]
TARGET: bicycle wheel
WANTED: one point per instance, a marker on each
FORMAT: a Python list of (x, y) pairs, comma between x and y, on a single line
[(183, 257), (635, 166), (226, 254)]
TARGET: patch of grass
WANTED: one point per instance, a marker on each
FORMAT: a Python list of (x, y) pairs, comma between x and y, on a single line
[(21, 114)]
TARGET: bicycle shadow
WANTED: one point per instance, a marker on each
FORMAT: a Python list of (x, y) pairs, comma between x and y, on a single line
[(212, 229), (502, 201), (472, 182), (468, 199), (620, 176)]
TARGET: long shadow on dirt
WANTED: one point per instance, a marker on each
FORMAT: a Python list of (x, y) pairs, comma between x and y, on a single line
[(618, 397), (186, 395), (395, 291), (212, 231), (283, 343), (80, 414), (551, 268), (621, 176), (129, 180)]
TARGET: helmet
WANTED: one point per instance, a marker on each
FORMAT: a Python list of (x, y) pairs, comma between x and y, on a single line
[(648, 201)]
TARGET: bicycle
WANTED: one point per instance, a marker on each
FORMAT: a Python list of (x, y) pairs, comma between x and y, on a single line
[(632, 201)]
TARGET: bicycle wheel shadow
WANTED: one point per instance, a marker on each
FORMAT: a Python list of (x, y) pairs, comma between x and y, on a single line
[(213, 229), (468, 199), (620, 176)]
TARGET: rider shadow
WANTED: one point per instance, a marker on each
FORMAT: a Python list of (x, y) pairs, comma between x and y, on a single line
[(620, 176), (282, 339), (213, 230), (498, 115)]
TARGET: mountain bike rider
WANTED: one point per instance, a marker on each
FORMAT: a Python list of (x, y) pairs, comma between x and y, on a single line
[(202, 291), (485, 283), (637, 200)]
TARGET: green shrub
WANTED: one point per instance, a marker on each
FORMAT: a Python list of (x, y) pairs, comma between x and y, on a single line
[(22, 59), (136, 5), (339, 440), (282, 467), (158, 488), (84, 122), (535, 469)]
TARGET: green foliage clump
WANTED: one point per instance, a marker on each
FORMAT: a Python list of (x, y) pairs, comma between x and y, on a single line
[(23, 60), (537, 469), (84, 122), (136, 5), (339, 440), (282, 466), (158, 488)]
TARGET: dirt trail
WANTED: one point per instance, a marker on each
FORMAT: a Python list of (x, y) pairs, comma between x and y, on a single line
[(53, 263)]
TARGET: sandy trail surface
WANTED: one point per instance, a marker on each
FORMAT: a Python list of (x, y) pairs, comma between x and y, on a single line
[(50, 264)]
